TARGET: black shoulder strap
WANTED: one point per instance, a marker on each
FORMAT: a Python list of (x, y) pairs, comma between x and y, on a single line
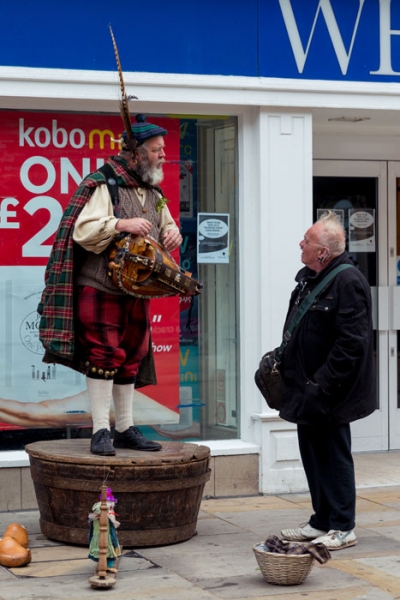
[(112, 186), (304, 306)]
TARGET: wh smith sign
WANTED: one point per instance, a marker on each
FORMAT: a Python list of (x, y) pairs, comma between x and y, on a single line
[(331, 39), (354, 40)]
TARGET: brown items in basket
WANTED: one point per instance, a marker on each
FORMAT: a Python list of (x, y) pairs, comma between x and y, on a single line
[(287, 564), (318, 551)]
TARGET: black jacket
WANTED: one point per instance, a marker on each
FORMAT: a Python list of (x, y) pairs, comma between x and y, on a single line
[(328, 365)]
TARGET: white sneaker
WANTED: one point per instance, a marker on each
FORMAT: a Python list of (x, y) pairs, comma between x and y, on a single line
[(336, 540), (303, 533)]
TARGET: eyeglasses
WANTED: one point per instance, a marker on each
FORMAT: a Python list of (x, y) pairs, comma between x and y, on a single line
[(309, 243)]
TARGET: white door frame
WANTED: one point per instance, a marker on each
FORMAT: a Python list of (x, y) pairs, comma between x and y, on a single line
[(372, 434), (394, 307)]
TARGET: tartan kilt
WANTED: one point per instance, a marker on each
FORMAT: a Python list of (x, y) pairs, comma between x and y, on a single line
[(113, 332)]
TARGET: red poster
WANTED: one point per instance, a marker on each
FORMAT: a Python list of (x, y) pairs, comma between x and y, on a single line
[(44, 158)]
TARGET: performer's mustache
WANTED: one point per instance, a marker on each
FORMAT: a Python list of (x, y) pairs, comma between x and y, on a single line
[(174, 162)]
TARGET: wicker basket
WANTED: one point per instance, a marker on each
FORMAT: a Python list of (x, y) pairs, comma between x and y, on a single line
[(283, 569)]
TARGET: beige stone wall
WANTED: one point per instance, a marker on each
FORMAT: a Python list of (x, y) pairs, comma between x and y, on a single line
[(16, 489), (233, 476)]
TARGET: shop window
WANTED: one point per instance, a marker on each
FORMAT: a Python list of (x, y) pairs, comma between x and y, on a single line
[(196, 344)]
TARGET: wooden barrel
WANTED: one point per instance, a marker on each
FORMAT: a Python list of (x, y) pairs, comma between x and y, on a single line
[(158, 493)]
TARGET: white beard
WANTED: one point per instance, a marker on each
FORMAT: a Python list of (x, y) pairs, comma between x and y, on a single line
[(152, 175)]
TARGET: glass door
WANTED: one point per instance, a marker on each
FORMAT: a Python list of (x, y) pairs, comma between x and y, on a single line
[(219, 337), (358, 192)]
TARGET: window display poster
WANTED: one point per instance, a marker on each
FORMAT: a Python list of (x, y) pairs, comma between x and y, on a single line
[(186, 202), (398, 270), (362, 230), (189, 322), (45, 156), (339, 212), (189, 305), (188, 169), (212, 238)]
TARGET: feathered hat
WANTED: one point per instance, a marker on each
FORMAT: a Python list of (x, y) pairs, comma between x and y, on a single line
[(137, 133), (143, 130)]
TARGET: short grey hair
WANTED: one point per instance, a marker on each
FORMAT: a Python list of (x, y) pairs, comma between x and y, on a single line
[(141, 149), (333, 234)]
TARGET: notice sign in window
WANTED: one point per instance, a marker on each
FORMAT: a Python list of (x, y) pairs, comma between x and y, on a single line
[(362, 230), (212, 238)]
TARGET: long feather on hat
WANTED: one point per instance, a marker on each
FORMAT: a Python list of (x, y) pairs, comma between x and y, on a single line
[(130, 141)]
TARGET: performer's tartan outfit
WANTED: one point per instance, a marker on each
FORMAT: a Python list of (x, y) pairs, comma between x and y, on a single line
[(56, 307), (89, 324)]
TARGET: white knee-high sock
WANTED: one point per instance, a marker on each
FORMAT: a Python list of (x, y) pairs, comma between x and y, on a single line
[(123, 404), (100, 396)]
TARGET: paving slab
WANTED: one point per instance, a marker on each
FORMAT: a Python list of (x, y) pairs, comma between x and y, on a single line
[(143, 585), (55, 568), (245, 503), (70, 565), (54, 553), (350, 593), (301, 498), (228, 554), (216, 526), (265, 523), (382, 494), (389, 531), (319, 580), (377, 517), (386, 564), (370, 572), (5, 575), (37, 540)]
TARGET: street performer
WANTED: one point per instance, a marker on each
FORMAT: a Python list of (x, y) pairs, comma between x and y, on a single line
[(87, 322)]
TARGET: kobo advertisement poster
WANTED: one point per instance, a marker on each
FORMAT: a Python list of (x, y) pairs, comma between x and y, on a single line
[(45, 156)]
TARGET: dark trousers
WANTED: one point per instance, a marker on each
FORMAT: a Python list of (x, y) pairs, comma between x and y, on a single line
[(328, 463)]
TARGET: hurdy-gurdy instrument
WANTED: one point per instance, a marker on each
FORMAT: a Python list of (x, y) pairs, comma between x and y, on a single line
[(141, 267)]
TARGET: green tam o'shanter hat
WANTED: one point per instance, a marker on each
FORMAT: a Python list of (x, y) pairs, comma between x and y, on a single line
[(143, 130)]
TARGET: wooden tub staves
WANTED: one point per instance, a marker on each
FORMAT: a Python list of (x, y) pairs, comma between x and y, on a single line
[(158, 493)]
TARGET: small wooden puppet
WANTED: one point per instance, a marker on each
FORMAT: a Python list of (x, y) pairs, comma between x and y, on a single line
[(113, 547)]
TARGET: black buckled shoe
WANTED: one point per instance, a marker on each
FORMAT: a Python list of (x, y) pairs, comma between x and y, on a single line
[(101, 443), (132, 438)]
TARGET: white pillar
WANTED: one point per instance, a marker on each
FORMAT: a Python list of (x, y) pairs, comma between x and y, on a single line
[(279, 201)]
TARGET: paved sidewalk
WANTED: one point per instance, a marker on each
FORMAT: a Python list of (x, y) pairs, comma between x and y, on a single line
[(219, 563)]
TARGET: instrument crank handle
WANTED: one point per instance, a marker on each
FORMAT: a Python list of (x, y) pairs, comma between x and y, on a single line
[(196, 292)]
